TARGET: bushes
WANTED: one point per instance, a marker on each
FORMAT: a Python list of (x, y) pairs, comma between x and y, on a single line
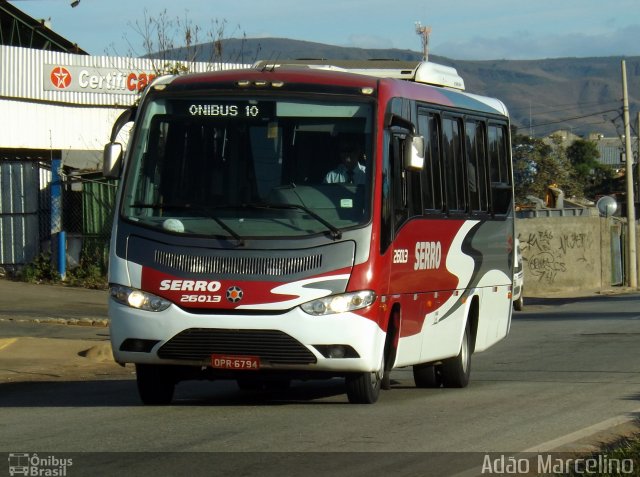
[(90, 273), (40, 270)]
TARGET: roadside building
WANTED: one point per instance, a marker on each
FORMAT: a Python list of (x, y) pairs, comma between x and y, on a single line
[(57, 108), (611, 149)]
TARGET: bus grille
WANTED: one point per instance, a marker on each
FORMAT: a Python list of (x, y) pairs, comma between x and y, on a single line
[(239, 265), (273, 346)]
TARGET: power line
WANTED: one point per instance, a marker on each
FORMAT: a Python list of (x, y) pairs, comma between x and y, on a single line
[(568, 119), (573, 106), (569, 109)]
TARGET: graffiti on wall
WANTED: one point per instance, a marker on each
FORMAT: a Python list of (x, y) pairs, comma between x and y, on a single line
[(548, 253)]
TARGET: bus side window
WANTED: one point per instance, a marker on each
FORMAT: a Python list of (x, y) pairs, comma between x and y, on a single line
[(399, 179), (386, 223), (429, 128), (453, 162), (476, 159), (500, 172)]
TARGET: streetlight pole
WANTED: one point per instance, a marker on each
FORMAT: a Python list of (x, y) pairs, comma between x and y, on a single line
[(631, 208)]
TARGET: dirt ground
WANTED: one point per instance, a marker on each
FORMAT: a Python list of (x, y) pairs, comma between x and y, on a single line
[(45, 359)]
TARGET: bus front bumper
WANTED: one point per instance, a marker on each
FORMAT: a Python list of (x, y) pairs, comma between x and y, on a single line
[(294, 340)]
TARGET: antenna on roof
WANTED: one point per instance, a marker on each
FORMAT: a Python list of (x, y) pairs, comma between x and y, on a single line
[(424, 32)]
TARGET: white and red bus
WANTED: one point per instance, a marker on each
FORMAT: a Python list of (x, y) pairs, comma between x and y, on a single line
[(233, 256)]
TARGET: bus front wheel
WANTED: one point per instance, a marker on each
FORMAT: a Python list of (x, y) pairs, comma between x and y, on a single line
[(156, 384), (364, 388)]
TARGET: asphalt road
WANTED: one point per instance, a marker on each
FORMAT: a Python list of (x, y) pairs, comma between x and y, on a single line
[(567, 374)]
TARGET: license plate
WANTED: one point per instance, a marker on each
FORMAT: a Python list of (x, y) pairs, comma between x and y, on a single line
[(238, 363)]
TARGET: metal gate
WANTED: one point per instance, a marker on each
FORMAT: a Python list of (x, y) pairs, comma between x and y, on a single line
[(23, 199)]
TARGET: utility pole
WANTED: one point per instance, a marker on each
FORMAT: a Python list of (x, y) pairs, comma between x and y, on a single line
[(638, 169), (631, 208), (638, 154), (424, 32)]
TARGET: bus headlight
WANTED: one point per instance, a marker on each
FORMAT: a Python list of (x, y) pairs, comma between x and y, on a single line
[(339, 303), (138, 299)]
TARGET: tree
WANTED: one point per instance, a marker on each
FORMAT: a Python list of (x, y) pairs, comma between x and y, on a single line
[(527, 154), (584, 159), (595, 178), (174, 44), (538, 165), (604, 181), (575, 169)]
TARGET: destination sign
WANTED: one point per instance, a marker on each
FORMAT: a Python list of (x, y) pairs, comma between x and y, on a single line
[(236, 109)]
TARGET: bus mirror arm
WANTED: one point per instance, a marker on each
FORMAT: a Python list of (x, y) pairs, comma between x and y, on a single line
[(394, 121), (413, 150), (127, 116), (112, 156)]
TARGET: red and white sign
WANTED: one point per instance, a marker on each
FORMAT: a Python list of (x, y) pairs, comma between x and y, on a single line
[(83, 79), (60, 77), (239, 363)]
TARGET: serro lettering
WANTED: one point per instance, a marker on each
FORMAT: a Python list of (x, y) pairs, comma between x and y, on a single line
[(428, 255), (190, 285)]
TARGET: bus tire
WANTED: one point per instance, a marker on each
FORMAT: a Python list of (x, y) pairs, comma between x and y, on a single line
[(390, 349), (456, 371), (156, 384), (427, 375), (364, 388), (518, 305)]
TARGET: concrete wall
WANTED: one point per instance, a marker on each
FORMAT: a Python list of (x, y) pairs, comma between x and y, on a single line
[(568, 254)]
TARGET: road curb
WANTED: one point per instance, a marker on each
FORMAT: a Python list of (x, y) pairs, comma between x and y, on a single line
[(593, 438), (96, 322)]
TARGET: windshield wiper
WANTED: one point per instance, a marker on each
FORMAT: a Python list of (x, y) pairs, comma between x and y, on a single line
[(206, 210), (336, 233)]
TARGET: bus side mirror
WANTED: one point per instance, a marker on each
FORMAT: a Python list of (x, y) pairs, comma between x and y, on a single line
[(112, 160), (413, 159)]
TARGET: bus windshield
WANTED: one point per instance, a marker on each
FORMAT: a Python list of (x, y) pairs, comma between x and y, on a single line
[(241, 168)]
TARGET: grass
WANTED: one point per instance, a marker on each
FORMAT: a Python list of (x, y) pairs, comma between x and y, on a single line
[(621, 459)]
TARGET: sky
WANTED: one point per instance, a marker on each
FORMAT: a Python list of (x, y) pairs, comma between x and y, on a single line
[(461, 29)]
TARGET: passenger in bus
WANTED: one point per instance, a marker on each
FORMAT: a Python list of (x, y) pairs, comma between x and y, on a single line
[(350, 170)]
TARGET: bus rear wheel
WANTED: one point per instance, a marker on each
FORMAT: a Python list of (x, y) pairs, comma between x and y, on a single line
[(156, 384), (456, 371), (427, 375)]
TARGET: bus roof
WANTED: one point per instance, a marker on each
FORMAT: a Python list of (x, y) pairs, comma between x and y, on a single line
[(419, 71), (344, 76)]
